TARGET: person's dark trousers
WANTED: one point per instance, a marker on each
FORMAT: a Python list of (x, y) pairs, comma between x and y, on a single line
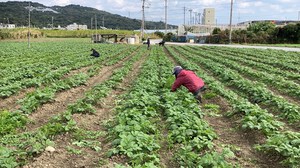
[(197, 94)]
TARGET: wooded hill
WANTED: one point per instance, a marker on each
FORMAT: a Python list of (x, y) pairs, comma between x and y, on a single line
[(15, 12)]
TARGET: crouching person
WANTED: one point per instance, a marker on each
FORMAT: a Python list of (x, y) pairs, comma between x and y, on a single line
[(190, 80), (95, 53)]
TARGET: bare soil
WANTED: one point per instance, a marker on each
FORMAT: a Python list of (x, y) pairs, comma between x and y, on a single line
[(10, 103)]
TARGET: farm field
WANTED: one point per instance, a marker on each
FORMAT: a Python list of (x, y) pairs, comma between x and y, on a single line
[(61, 107), (280, 45)]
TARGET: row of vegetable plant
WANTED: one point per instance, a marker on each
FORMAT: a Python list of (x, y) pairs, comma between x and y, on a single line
[(255, 91), (40, 96), (35, 75), (18, 148), (277, 81), (261, 67), (134, 131), (255, 118), (270, 60), (278, 56), (188, 132)]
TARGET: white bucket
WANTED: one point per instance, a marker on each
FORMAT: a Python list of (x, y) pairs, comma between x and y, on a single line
[(131, 41)]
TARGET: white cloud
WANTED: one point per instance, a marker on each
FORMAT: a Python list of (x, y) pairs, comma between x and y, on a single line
[(116, 3), (287, 1), (61, 2), (259, 4), (244, 5)]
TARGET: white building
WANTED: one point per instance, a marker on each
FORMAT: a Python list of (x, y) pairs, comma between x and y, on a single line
[(205, 30), (209, 16), (75, 26), (7, 26)]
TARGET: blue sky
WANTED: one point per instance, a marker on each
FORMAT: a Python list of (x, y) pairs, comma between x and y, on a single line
[(243, 10)]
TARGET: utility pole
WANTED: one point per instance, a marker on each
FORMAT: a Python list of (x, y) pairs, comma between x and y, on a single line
[(143, 20), (230, 25), (184, 9), (29, 25), (102, 21), (96, 23), (298, 15), (91, 23), (52, 23), (97, 37), (166, 13), (190, 16)]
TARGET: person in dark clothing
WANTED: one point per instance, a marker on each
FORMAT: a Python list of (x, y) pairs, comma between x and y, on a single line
[(148, 43), (190, 80), (162, 43), (95, 53)]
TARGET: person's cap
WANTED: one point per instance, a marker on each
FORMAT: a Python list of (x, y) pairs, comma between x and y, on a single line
[(176, 68)]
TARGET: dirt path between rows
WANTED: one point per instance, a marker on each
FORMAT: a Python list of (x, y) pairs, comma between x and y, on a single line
[(230, 134), (105, 110), (62, 99), (10, 103), (241, 142)]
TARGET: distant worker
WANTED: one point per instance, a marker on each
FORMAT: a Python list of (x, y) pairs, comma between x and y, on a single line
[(162, 43), (188, 79), (148, 43), (95, 53)]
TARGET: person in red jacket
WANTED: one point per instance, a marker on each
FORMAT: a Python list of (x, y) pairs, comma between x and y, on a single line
[(188, 79)]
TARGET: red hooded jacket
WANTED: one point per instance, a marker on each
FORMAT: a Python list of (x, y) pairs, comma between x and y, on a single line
[(188, 79)]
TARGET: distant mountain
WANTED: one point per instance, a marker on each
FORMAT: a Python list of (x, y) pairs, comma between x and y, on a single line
[(16, 12)]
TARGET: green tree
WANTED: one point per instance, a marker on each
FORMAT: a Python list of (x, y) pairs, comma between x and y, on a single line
[(216, 30), (169, 37), (159, 34), (262, 26), (264, 32), (288, 34)]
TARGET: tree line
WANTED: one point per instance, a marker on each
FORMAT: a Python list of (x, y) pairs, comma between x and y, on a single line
[(262, 33)]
